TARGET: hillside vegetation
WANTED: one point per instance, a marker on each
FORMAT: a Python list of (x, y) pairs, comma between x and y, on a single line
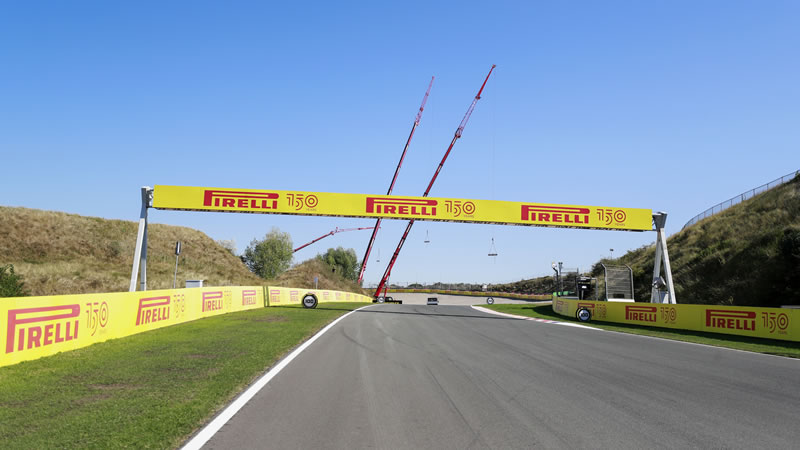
[(60, 253), (302, 276), (540, 285), (747, 255)]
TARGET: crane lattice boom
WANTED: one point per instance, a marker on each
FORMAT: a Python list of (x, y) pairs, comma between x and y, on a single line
[(391, 186), (331, 233), (457, 135)]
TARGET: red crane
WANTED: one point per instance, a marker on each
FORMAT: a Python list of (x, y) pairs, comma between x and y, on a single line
[(334, 231), (457, 135), (391, 186)]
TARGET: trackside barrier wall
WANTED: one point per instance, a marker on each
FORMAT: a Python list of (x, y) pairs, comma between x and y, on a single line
[(33, 327), (771, 323), (279, 296)]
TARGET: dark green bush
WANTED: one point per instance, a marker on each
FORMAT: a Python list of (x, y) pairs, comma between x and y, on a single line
[(790, 245), (341, 261), (11, 284)]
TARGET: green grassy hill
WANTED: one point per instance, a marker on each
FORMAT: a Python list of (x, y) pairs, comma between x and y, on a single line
[(748, 254), (59, 253)]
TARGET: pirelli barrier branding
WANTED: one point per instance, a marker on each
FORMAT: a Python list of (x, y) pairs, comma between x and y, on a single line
[(398, 207), (771, 323), (279, 296), (32, 327)]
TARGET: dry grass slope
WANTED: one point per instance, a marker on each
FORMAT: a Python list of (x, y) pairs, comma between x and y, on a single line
[(302, 276), (59, 253)]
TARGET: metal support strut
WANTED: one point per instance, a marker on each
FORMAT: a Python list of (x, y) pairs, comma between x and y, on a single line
[(658, 293), (140, 252)]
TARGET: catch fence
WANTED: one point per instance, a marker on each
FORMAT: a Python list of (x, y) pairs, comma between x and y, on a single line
[(741, 197)]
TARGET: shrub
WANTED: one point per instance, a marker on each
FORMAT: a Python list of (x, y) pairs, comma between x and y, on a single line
[(11, 284), (341, 261), (270, 257)]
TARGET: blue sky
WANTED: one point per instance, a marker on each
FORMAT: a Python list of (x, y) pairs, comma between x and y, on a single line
[(669, 105)]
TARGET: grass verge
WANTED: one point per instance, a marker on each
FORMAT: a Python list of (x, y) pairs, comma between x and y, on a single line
[(149, 390), (768, 346)]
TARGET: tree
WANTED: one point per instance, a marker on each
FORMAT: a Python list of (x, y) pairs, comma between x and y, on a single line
[(270, 257), (341, 261), (11, 284)]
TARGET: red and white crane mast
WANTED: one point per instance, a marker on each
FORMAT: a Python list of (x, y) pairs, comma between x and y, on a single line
[(334, 231), (391, 186), (457, 135)]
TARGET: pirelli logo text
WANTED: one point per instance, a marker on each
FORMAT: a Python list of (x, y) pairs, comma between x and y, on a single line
[(556, 215), (402, 206), (212, 301), (641, 313), (153, 309), (274, 295), (39, 327), (248, 297), (598, 309), (240, 199), (731, 320)]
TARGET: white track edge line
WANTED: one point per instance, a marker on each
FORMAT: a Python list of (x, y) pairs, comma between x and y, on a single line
[(497, 313), (201, 438), (554, 322), (751, 352)]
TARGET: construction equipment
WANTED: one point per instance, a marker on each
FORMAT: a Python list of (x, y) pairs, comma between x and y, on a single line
[(457, 135), (391, 186), (334, 231)]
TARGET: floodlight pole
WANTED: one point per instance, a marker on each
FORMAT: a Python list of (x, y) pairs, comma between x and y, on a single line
[(140, 252), (662, 255)]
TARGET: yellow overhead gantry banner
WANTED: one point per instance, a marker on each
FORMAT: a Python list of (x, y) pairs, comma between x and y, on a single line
[(400, 207)]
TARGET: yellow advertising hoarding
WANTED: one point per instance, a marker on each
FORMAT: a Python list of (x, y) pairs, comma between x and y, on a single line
[(279, 296), (33, 327), (772, 323), (400, 207)]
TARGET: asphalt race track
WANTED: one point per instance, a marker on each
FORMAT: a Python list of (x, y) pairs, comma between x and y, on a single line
[(422, 299), (414, 376)]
